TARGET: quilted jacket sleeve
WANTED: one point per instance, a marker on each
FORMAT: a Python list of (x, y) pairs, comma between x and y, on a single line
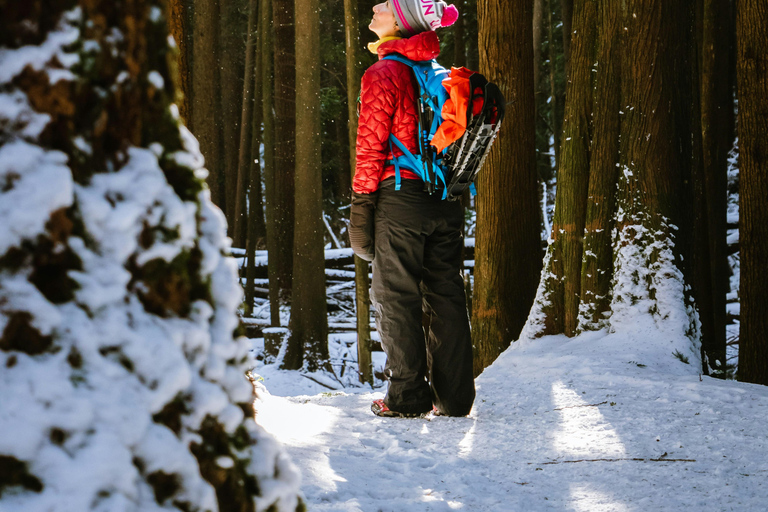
[(378, 101)]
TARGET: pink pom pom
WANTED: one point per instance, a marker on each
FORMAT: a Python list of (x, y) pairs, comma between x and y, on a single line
[(450, 15)]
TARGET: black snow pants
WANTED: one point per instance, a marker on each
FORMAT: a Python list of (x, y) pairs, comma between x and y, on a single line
[(417, 268)]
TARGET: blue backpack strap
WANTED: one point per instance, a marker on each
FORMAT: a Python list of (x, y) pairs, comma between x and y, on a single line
[(407, 159), (396, 162)]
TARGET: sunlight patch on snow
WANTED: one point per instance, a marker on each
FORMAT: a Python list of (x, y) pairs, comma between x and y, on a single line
[(467, 443), (583, 430), (587, 499), (288, 421)]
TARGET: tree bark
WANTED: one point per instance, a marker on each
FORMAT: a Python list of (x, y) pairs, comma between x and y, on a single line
[(180, 26), (459, 36), (557, 92), (205, 100), (126, 194), (752, 79), (231, 31), (285, 139), (250, 129), (507, 255), (642, 148), (597, 259), (566, 12), (560, 301), (308, 341), (717, 139), (362, 283), (266, 53)]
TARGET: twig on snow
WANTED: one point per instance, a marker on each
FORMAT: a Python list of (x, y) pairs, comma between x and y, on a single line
[(638, 459), (584, 405)]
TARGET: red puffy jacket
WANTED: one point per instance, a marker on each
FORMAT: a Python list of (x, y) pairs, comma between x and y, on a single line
[(388, 105)]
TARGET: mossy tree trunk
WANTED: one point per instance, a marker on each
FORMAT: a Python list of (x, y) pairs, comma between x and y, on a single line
[(597, 263), (205, 101), (752, 79), (285, 140), (507, 252), (232, 30), (717, 131), (563, 274), (637, 157), (180, 25), (265, 80), (121, 294), (250, 138), (362, 282), (308, 342)]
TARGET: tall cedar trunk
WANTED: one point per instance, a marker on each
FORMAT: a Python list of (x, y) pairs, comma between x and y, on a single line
[(231, 32), (250, 130), (563, 281), (266, 53), (597, 259), (247, 101), (459, 36), (362, 283), (285, 140), (507, 255), (752, 79), (133, 139), (717, 138), (309, 326), (645, 113), (556, 92), (543, 160), (180, 26), (205, 100), (655, 148), (566, 11)]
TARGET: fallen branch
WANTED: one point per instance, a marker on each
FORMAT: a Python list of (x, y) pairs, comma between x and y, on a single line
[(638, 459), (325, 385), (584, 405)]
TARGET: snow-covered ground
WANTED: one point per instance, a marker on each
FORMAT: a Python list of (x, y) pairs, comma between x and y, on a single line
[(594, 423)]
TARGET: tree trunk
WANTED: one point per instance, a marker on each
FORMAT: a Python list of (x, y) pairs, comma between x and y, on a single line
[(557, 92), (717, 139), (161, 341), (560, 289), (507, 254), (180, 26), (231, 57), (642, 147), (752, 78), (655, 156), (250, 129), (459, 36), (566, 12), (362, 283), (285, 139), (266, 53), (597, 260), (206, 99), (309, 326)]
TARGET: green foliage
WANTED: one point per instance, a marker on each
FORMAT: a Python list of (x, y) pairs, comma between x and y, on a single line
[(679, 355)]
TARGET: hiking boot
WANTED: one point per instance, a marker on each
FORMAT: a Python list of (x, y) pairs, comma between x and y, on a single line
[(379, 408)]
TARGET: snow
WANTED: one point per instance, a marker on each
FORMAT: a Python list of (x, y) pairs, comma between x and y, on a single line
[(598, 422)]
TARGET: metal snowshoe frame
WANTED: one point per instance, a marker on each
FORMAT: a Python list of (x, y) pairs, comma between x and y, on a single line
[(464, 158)]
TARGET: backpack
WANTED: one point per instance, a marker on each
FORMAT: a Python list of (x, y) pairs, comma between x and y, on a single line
[(451, 152)]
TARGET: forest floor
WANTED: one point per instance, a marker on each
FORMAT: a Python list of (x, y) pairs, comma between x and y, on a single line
[(600, 422)]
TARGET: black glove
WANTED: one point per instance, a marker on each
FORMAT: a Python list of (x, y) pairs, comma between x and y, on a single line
[(361, 216)]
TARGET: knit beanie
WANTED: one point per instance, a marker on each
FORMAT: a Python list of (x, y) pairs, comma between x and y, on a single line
[(414, 16)]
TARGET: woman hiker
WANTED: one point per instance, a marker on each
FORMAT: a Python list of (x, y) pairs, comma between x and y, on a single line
[(413, 238)]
